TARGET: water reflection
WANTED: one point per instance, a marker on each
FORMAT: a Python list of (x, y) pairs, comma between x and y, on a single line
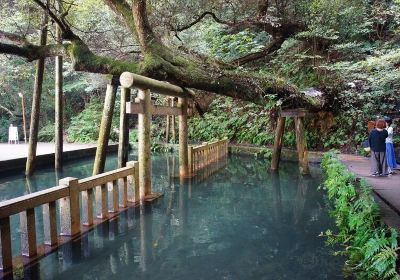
[(238, 223)]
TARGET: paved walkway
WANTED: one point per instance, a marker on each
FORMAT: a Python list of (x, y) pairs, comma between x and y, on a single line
[(14, 151), (387, 188)]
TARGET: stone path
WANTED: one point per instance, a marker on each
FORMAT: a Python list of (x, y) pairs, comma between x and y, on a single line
[(14, 151), (386, 188)]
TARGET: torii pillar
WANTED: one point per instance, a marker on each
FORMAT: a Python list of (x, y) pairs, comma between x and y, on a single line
[(301, 144), (143, 107)]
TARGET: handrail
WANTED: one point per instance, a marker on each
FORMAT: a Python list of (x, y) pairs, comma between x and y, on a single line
[(124, 189), (103, 178), (22, 203), (206, 153)]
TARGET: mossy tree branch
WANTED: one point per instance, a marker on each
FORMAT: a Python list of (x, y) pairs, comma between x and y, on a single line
[(162, 63)]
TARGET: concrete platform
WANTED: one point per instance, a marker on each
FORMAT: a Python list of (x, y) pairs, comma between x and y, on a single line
[(13, 156), (386, 188)]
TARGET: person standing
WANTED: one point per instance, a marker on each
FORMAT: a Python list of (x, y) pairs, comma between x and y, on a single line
[(377, 143), (390, 155)]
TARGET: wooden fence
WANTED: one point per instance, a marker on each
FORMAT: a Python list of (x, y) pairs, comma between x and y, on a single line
[(113, 189), (206, 153)]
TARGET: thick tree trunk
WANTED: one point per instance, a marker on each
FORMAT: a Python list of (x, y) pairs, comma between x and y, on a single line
[(35, 113), (58, 99)]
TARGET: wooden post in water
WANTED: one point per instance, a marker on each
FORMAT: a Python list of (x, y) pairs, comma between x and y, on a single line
[(37, 93), (58, 108), (123, 144), (173, 123), (105, 128), (144, 146), (301, 145), (167, 127), (276, 152), (183, 138)]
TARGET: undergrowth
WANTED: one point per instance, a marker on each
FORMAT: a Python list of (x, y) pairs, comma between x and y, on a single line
[(369, 245)]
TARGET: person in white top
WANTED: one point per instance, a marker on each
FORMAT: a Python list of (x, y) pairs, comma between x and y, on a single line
[(390, 155)]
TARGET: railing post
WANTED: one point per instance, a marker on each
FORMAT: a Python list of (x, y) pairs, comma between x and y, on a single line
[(69, 208), (50, 223), (101, 197), (87, 207), (123, 192), (5, 244), (133, 182), (115, 194), (28, 232)]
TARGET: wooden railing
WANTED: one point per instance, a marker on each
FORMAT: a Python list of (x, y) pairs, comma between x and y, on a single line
[(206, 153), (114, 190)]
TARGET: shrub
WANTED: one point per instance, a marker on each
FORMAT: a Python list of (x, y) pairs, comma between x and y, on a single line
[(46, 134), (370, 246), (85, 127)]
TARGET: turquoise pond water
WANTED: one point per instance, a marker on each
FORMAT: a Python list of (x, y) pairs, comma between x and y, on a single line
[(239, 223)]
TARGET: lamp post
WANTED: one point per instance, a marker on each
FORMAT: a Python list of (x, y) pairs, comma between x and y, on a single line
[(23, 113)]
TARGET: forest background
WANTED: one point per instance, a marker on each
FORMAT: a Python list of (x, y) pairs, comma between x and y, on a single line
[(346, 49)]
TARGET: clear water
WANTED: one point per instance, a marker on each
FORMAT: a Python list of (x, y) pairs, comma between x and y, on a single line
[(240, 223)]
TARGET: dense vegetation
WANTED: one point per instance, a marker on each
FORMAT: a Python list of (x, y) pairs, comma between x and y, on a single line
[(349, 50), (370, 246)]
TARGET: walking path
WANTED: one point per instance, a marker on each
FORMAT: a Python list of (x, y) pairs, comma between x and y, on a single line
[(13, 156), (14, 151), (386, 188)]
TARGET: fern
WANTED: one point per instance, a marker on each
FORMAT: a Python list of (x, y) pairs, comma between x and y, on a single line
[(370, 246)]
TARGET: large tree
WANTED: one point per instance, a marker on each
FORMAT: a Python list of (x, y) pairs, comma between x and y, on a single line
[(165, 62)]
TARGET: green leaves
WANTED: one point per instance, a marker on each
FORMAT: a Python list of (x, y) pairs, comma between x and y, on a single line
[(370, 246), (244, 123), (232, 46)]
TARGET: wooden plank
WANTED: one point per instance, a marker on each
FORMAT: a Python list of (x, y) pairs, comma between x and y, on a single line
[(50, 223), (5, 244), (134, 108), (293, 113), (22, 203), (160, 110), (103, 178), (28, 233)]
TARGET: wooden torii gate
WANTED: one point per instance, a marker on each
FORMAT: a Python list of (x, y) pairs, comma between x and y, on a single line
[(301, 144), (143, 107)]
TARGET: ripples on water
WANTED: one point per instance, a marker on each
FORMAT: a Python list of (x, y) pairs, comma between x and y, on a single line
[(239, 223)]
